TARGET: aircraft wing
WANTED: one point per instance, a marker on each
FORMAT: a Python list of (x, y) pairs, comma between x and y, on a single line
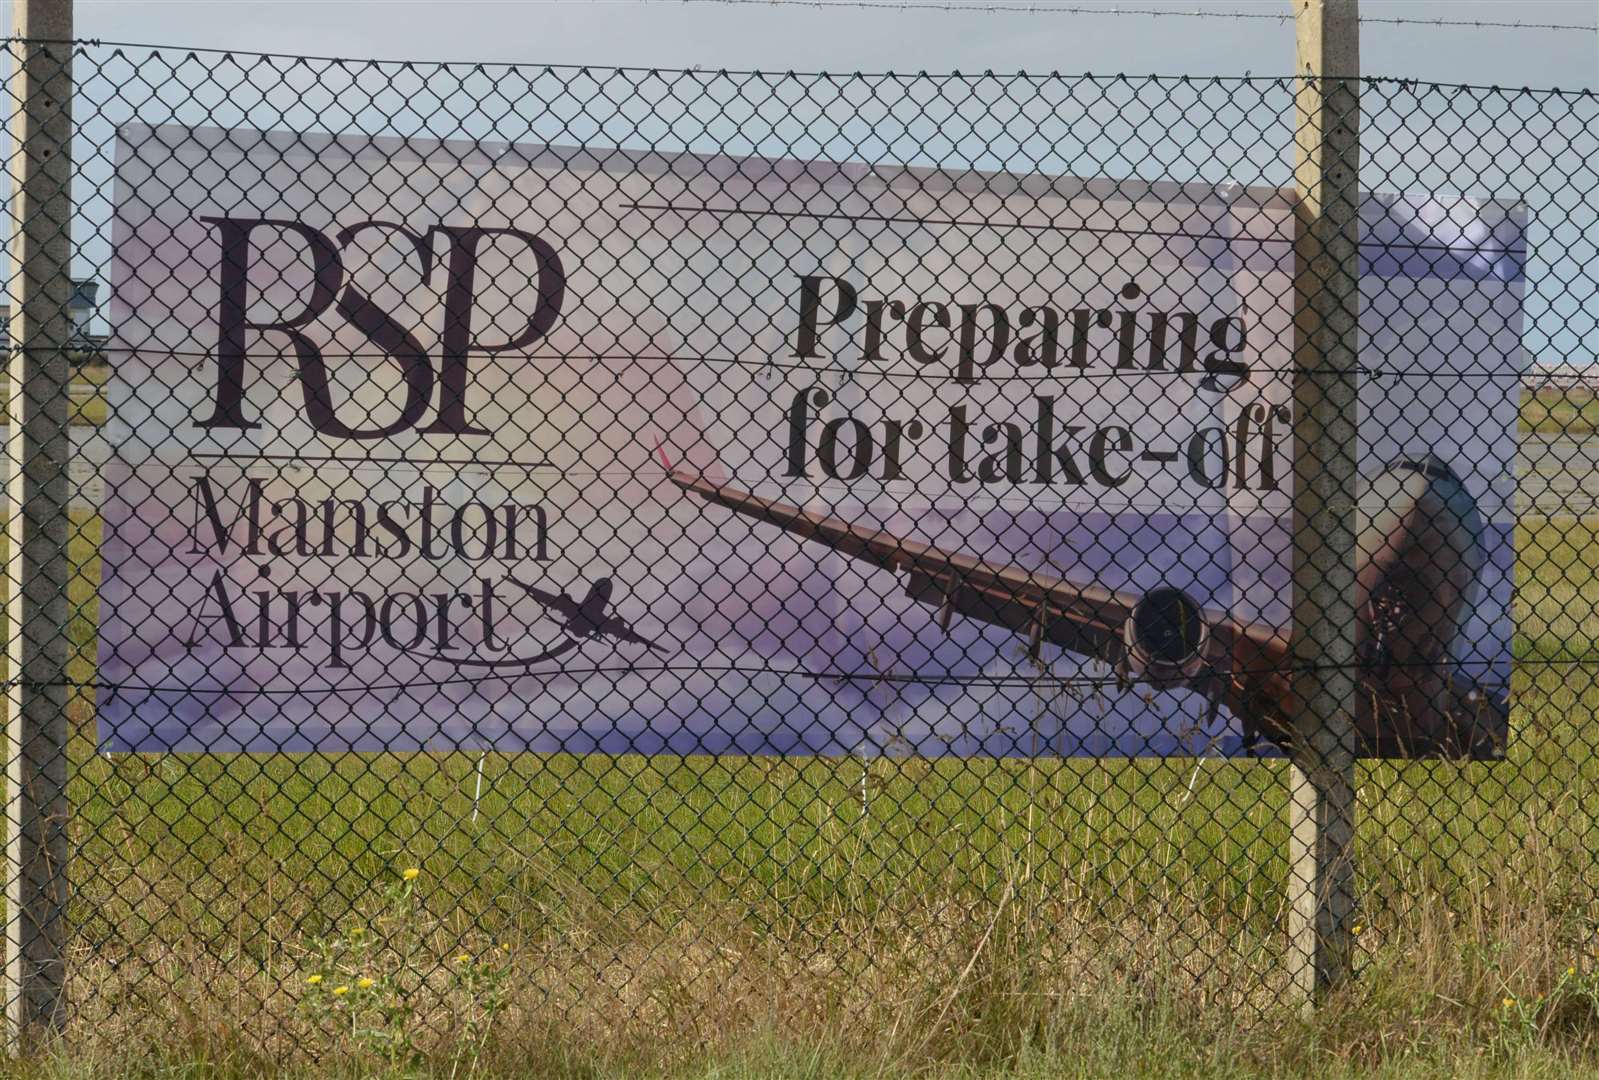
[(620, 630), (1089, 620), (559, 603)]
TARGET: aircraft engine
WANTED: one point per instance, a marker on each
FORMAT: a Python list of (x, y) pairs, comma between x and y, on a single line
[(1165, 636)]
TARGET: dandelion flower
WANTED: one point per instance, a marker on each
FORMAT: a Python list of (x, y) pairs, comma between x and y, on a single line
[(364, 983), (412, 873), (1506, 1003), (463, 958), (340, 991), (315, 980), (506, 946), (1571, 971), (1357, 928), (356, 931)]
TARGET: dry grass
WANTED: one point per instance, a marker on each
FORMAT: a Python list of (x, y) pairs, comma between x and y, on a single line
[(948, 989), (1024, 974)]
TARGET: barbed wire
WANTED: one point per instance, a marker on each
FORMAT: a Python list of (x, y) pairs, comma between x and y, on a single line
[(1074, 9), (349, 65)]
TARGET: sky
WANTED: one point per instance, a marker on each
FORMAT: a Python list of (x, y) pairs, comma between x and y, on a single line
[(718, 35), (669, 35)]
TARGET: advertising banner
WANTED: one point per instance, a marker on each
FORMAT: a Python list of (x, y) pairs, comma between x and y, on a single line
[(436, 445)]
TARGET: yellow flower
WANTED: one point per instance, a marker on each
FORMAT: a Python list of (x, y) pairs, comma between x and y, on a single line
[(463, 958), (506, 946), (315, 980), (1357, 928), (340, 991), (356, 931), (1571, 971), (1506, 1003), (412, 873), (364, 983)]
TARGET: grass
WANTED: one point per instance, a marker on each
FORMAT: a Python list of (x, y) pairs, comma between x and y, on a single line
[(828, 917), (1572, 411), (684, 917), (88, 405), (1556, 606), (698, 917), (87, 392)]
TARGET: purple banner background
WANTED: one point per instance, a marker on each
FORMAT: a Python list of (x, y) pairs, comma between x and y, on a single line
[(746, 639)]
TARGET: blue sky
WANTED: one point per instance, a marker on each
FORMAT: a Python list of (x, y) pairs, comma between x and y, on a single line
[(1545, 161), (716, 35)]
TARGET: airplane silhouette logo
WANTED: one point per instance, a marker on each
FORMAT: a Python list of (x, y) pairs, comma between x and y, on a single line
[(587, 618)]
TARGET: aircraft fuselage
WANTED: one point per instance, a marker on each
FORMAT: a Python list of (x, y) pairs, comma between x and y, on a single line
[(590, 616)]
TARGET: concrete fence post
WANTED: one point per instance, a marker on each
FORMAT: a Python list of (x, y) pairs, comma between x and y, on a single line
[(1326, 427), (37, 569)]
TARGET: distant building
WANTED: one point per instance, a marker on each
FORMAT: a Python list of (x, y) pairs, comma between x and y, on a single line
[(81, 307), (1561, 376)]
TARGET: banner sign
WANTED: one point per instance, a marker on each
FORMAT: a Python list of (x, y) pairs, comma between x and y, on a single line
[(434, 445)]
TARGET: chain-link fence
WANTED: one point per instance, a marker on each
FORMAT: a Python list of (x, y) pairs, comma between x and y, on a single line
[(619, 548)]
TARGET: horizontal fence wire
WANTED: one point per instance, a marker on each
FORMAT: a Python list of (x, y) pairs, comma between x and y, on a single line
[(608, 548)]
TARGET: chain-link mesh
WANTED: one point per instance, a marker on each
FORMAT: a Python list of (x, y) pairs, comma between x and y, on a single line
[(622, 547)]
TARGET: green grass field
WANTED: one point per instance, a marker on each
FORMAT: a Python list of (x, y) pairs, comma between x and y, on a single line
[(89, 406), (631, 916), (1570, 411)]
